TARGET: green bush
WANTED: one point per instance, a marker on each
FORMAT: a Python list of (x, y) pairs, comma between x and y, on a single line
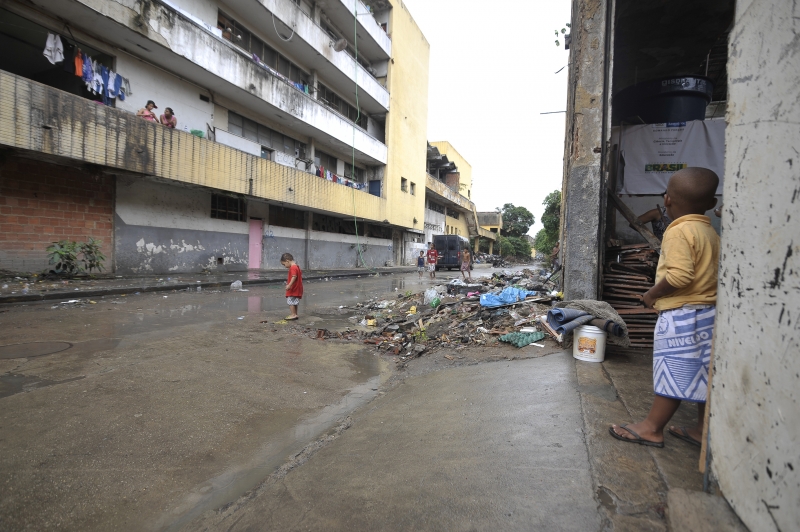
[(70, 258)]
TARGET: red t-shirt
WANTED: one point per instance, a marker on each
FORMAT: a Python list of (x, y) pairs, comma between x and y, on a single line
[(433, 256), (297, 288)]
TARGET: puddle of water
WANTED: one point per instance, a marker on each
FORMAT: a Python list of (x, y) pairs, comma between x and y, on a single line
[(236, 481), (11, 383), (605, 498)]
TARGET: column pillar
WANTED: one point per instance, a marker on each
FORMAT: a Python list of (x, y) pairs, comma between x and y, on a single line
[(477, 246), (491, 247), (309, 226), (314, 85)]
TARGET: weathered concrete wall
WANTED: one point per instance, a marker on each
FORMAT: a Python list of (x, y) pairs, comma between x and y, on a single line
[(151, 83), (164, 228), (582, 191), (755, 416)]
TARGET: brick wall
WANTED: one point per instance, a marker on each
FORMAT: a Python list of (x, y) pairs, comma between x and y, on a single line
[(41, 203)]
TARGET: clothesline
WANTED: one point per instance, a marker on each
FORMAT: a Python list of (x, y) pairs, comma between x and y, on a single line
[(330, 176), (99, 79)]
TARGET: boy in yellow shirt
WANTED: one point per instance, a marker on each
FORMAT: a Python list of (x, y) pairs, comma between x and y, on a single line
[(685, 294)]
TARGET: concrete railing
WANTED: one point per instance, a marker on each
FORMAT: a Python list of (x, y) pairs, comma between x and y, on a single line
[(41, 119), (441, 189)]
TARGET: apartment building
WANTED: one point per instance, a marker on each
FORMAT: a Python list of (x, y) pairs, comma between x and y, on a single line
[(299, 128), (449, 209)]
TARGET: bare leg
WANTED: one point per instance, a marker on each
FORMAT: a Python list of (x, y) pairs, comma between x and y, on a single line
[(652, 427), (695, 432), (293, 311)]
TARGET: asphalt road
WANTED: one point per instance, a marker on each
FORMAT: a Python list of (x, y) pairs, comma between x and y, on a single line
[(162, 410)]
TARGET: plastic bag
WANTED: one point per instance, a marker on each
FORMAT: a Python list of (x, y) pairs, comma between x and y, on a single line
[(236, 285), (430, 295)]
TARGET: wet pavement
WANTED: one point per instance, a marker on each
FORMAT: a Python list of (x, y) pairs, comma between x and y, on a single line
[(202, 411)]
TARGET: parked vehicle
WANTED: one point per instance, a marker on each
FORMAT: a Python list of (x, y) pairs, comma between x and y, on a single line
[(449, 248)]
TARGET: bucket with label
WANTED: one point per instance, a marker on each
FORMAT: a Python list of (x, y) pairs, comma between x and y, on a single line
[(589, 344)]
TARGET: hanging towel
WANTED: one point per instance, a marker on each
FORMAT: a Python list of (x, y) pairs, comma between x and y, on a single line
[(69, 56), (104, 75), (53, 49), (79, 63), (112, 87), (126, 86)]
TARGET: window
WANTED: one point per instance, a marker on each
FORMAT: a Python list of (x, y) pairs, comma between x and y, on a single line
[(452, 214), (435, 207), (404, 184), (356, 174), (332, 100), (267, 137), (286, 217), (238, 35), (326, 161), (413, 189), (227, 208)]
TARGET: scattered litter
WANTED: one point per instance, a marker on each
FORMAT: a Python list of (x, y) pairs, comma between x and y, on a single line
[(92, 302), (236, 285), (199, 288), (240, 318), (537, 345), (519, 339)]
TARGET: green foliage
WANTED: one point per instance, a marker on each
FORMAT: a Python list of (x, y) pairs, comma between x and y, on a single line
[(92, 258), (516, 220), (64, 256), (563, 32), (546, 238), (514, 246)]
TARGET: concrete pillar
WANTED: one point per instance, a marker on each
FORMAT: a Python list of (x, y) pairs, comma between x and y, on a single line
[(491, 247), (477, 244), (754, 419), (314, 85), (587, 115), (309, 227)]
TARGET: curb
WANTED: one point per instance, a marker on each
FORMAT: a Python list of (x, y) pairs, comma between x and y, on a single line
[(27, 298)]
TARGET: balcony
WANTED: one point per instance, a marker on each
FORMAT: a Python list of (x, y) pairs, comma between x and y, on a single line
[(312, 45), (447, 195), (374, 41), (43, 120), (187, 47)]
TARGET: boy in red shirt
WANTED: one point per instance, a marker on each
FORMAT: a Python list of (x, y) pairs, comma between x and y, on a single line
[(433, 257), (294, 284)]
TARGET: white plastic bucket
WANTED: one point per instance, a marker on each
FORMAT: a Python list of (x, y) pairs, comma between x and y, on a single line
[(589, 344)]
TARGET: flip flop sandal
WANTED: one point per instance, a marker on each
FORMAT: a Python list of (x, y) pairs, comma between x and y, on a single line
[(638, 439), (290, 318), (682, 434)]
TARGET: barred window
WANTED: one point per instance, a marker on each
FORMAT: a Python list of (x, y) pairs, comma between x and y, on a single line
[(227, 208)]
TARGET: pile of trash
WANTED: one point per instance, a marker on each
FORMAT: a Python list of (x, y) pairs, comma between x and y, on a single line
[(507, 307)]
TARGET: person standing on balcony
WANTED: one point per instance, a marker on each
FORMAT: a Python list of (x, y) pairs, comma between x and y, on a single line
[(168, 118), (147, 113)]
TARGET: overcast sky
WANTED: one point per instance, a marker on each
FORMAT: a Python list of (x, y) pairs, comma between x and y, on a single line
[(492, 72)]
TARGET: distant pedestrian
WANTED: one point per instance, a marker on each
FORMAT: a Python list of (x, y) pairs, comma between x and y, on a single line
[(554, 262), (147, 113), (433, 258), (168, 118), (294, 285), (421, 263), (685, 294), (466, 257)]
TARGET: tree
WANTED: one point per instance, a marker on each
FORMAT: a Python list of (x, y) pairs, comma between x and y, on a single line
[(516, 220), (514, 246), (546, 238)]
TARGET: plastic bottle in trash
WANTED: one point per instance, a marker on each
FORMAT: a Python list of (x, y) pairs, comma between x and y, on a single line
[(236, 285), (435, 303)]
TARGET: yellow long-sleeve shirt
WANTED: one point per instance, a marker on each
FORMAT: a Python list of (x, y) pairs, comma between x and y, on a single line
[(689, 261)]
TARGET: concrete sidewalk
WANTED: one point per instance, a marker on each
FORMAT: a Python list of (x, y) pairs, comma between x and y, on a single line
[(20, 289)]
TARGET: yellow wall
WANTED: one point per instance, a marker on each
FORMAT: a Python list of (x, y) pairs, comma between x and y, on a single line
[(459, 225), (464, 168), (84, 131), (407, 120)]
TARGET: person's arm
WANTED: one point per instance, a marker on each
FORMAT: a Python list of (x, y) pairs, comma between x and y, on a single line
[(679, 268), (290, 284), (649, 216), (140, 112), (659, 290)]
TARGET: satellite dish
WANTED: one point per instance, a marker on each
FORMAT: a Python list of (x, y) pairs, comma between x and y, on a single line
[(340, 45)]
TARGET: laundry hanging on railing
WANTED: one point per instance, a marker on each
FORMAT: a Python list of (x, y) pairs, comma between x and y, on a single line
[(54, 49)]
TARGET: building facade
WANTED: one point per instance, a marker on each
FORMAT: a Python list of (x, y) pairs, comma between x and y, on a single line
[(298, 125)]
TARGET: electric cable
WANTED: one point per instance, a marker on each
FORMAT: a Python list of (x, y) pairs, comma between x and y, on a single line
[(279, 33), (353, 144)]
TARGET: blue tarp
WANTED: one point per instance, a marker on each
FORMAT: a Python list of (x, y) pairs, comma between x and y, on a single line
[(508, 296)]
